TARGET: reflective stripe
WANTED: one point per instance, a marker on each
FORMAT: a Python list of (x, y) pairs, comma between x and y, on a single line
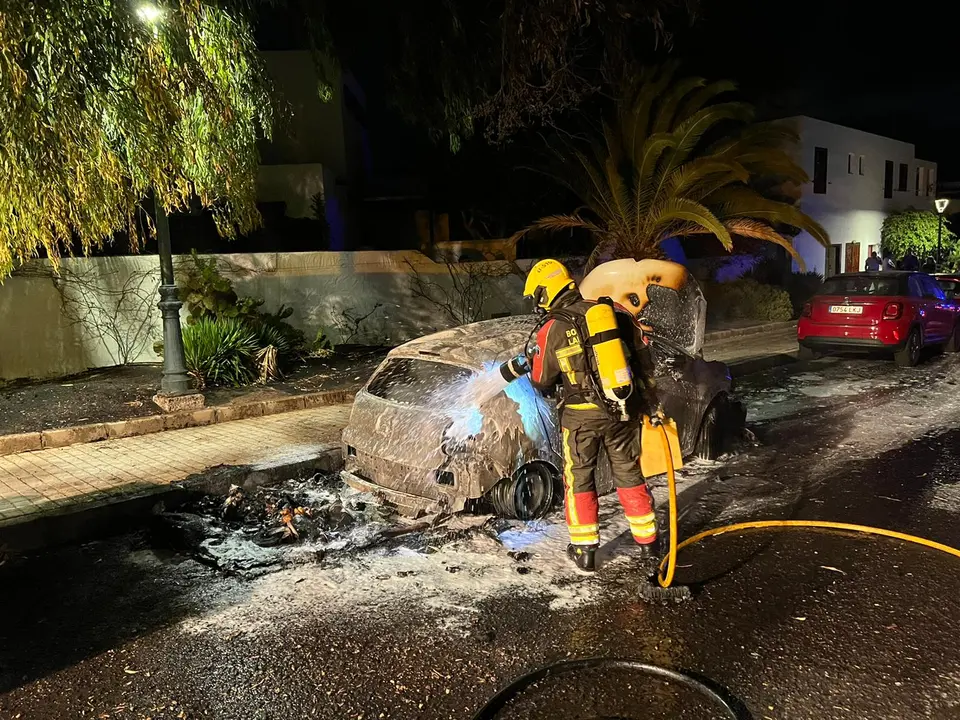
[(584, 529), (592, 540), (643, 527), (580, 406), (571, 504), (569, 351)]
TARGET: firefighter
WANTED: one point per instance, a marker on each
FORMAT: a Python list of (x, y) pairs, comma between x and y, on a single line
[(591, 413)]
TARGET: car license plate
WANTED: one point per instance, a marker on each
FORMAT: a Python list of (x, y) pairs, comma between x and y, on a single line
[(847, 309)]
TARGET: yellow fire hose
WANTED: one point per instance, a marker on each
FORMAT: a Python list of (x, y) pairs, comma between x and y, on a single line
[(668, 565)]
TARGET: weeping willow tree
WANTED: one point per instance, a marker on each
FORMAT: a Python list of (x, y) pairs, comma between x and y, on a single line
[(105, 101), (676, 162)]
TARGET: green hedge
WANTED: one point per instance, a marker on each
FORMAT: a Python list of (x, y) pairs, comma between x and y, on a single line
[(747, 299)]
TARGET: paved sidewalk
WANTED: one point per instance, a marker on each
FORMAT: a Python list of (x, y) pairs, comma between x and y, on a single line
[(58, 479), (732, 351)]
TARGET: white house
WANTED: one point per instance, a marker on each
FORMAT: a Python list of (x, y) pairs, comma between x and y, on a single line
[(857, 179)]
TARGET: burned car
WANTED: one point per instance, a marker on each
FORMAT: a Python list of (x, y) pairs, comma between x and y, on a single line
[(399, 441)]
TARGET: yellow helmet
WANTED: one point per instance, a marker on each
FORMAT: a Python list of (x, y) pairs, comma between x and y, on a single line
[(545, 281)]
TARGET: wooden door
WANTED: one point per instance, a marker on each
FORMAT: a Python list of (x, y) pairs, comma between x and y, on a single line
[(833, 260), (852, 263)]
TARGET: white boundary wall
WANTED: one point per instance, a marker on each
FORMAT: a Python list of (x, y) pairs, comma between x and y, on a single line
[(103, 311)]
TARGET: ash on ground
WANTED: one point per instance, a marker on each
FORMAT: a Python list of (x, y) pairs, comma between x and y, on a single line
[(315, 520)]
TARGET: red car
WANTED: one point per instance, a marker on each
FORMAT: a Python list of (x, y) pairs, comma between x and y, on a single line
[(898, 312), (950, 284)]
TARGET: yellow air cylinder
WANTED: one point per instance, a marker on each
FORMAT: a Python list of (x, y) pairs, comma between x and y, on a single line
[(613, 369)]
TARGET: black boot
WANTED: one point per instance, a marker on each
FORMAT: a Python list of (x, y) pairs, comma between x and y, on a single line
[(648, 551), (584, 556)]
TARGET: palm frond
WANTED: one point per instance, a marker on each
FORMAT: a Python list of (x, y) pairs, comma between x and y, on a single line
[(689, 175), (706, 94), (653, 150), (746, 227), (633, 117), (562, 222), (694, 214), (667, 117), (772, 162), (743, 202)]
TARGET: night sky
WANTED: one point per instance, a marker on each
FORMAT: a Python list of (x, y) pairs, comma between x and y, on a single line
[(890, 69), (894, 73)]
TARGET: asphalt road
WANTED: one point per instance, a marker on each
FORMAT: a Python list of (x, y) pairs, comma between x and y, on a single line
[(792, 624)]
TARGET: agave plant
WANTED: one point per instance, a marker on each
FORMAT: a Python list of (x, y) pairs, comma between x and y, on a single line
[(220, 352), (675, 162)]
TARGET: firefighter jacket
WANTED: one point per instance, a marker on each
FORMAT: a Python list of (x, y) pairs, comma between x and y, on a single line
[(559, 358)]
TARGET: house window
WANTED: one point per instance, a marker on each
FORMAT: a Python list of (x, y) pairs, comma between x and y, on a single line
[(902, 180), (820, 170), (849, 163), (916, 190), (888, 178), (860, 166), (924, 190)]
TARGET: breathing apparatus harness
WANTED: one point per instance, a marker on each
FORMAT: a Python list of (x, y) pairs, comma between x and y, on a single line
[(609, 380)]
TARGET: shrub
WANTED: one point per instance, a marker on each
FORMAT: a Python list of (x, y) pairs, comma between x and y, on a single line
[(220, 352), (274, 327), (208, 294), (746, 299), (801, 287)]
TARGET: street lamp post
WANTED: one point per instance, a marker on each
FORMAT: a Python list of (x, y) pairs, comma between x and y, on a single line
[(175, 386), (175, 380), (941, 205)]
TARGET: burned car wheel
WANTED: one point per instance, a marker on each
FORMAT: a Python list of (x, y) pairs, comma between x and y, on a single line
[(721, 425), (528, 494)]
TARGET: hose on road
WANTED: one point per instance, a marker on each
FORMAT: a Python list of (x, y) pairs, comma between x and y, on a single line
[(668, 565), (728, 706)]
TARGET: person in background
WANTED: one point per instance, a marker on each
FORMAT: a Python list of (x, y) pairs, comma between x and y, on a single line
[(910, 261), (888, 262), (873, 263), (929, 265)]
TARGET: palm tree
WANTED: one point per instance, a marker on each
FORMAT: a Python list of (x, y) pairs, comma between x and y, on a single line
[(675, 162)]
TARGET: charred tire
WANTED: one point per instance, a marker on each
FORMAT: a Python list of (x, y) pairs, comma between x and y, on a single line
[(720, 424), (910, 354), (529, 494), (953, 344)]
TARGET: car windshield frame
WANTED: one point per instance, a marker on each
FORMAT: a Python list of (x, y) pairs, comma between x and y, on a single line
[(953, 282), (865, 285)]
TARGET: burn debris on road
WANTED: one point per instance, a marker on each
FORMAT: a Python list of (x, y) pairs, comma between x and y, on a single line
[(250, 532)]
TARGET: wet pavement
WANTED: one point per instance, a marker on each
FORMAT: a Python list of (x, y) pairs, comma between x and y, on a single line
[(793, 624)]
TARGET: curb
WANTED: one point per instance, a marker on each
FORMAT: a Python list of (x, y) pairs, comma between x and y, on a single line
[(746, 331), (96, 520), (79, 434)]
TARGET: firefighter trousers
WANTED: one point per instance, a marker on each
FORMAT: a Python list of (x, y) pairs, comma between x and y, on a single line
[(585, 430)]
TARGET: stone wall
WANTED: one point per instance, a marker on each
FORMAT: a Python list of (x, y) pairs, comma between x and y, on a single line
[(102, 311)]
